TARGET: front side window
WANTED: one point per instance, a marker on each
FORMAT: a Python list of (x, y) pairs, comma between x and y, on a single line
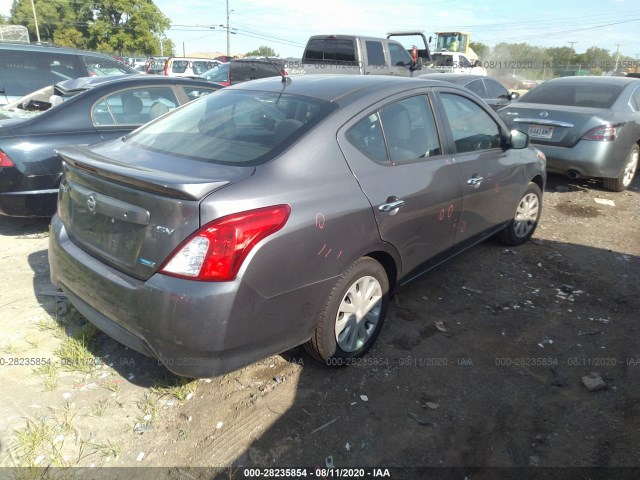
[(471, 126), (233, 127), (495, 89), (399, 56), (477, 87)]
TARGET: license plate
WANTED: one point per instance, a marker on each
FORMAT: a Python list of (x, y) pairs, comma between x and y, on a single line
[(537, 131)]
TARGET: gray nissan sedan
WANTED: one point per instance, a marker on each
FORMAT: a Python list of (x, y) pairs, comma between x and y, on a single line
[(282, 212), (586, 126)]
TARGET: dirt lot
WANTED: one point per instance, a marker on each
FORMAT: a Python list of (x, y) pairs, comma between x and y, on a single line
[(480, 364)]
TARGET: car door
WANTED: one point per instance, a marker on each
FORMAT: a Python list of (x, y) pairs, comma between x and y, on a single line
[(396, 154), (490, 176), (123, 111)]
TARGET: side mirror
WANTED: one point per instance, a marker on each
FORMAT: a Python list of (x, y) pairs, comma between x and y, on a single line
[(514, 95), (417, 65), (518, 140)]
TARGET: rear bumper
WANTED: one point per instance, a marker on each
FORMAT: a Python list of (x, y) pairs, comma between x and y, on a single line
[(36, 203), (196, 329), (588, 158)]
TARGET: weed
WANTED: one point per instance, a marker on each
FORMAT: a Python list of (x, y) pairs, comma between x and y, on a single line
[(100, 408), (178, 387), (50, 371), (32, 341), (148, 407), (10, 349), (107, 450), (31, 441), (74, 351)]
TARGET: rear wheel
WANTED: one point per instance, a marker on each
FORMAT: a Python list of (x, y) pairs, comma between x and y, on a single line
[(525, 219), (353, 315), (625, 178)]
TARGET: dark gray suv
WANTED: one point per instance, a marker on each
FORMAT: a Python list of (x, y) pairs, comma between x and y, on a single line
[(25, 68)]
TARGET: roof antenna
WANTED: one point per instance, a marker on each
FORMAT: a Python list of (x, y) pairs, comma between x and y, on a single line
[(285, 78)]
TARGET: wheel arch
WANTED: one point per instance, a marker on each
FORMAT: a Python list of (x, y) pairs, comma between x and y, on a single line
[(389, 264)]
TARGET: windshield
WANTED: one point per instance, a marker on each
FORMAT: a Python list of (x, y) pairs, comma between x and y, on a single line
[(233, 127), (574, 94), (219, 73)]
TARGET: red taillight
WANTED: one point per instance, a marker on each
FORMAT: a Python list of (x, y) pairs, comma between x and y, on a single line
[(604, 133), (216, 251), (5, 161)]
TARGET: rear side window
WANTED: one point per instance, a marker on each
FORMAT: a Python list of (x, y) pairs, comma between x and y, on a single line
[(375, 53), (133, 106), (574, 94), (23, 72), (234, 127), (402, 131), (103, 65)]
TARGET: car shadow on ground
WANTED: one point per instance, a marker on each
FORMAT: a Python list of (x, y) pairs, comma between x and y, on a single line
[(480, 364), (561, 183)]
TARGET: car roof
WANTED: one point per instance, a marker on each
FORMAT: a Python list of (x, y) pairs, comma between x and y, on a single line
[(40, 47), (333, 87), (85, 83), (595, 80), (459, 78)]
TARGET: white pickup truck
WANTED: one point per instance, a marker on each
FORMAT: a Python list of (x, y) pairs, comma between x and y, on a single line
[(356, 55), (454, 62)]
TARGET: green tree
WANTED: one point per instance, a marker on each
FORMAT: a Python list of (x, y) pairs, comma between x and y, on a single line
[(481, 49), (262, 51), (131, 26)]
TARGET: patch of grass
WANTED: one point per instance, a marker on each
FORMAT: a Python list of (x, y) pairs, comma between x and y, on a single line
[(112, 386), (65, 421), (99, 409), (48, 324), (10, 349), (51, 373), (148, 407), (33, 342), (31, 442), (177, 387), (107, 450), (74, 351)]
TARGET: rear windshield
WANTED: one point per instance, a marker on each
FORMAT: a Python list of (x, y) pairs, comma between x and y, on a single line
[(574, 94), (233, 127)]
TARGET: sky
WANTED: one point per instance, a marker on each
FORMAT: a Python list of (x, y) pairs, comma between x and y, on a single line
[(285, 25)]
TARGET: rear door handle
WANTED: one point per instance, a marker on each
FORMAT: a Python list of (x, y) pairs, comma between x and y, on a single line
[(391, 207), (475, 181)]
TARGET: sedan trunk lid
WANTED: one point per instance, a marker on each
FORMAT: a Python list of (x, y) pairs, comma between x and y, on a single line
[(133, 209), (557, 125)]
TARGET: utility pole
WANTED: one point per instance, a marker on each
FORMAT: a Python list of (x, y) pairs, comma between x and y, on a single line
[(618, 45), (35, 19), (570, 53), (228, 36)]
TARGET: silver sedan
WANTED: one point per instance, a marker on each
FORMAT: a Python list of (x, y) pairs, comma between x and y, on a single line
[(586, 126)]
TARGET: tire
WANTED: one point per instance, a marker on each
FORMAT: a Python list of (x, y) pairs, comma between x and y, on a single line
[(525, 219), (625, 178), (342, 333)]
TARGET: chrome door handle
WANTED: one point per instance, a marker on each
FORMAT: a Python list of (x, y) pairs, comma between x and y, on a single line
[(391, 206), (475, 181)]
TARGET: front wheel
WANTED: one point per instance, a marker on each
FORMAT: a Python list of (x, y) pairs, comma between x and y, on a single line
[(353, 315), (623, 181), (524, 222)]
